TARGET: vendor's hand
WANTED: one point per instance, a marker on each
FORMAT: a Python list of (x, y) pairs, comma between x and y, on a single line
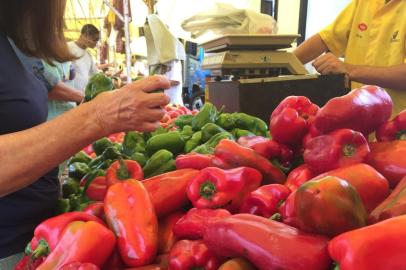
[(132, 107), (330, 64)]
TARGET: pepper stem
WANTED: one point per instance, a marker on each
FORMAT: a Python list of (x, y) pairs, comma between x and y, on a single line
[(122, 170), (198, 268), (276, 217), (207, 190), (349, 150), (401, 134), (41, 250)]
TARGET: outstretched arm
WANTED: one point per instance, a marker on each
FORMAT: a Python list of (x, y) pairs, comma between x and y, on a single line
[(310, 49), (29, 154)]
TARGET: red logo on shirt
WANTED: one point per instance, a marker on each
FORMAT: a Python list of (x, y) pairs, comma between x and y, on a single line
[(362, 27)]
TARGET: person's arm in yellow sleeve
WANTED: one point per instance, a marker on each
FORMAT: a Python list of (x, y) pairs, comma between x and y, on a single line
[(333, 38), (393, 77)]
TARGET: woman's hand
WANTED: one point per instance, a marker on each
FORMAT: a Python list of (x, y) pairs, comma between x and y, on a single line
[(132, 107)]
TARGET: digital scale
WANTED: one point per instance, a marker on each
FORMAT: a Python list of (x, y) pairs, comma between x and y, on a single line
[(251, 56), (254, 73)]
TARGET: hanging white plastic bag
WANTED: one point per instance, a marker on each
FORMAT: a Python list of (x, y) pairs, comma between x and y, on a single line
[(225, 19)]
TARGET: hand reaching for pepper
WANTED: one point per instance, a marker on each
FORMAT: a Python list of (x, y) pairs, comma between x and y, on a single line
[(132, 107), (330, 64)]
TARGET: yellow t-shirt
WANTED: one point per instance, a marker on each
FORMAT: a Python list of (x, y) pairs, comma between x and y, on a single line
[(371, 33)]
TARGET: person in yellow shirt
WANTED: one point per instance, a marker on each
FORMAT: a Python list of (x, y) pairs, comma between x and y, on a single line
[(370, 36)]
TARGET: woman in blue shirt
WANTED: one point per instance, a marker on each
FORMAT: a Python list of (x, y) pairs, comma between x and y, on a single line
[(30, 148)]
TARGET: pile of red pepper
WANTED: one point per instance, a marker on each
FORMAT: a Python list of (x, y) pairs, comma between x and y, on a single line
[(315, 195)]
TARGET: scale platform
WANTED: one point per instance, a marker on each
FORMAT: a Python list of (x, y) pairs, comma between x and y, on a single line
[(251, 56), (249, 42)]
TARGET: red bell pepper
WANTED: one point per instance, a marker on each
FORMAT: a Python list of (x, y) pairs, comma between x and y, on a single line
[(234, 155), (266, 243), (214, 187), (328, 206), (78, 244), (388, 158), (363, 109), (269, 149), (79, 266), (131, 215), (313, 132), (194, 161), (114, 262), (193, 224), (168, 190), (49, 232), (96, 209), (299, 176), (166, 237), (97, 188), (265, 200), (371, 186), (339, 148), (192, 254), (379, 246), (29, 263), (287, 211), (123, 169), (291, 119), (392, 206), (394, 129), (237, 264)]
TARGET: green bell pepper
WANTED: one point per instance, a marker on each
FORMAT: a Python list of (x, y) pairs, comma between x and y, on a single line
[(160, 162), (171, 141), (97, 84)]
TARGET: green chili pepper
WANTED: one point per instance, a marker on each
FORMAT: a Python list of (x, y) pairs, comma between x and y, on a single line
[(226, 121), (133, 142), (237, 133), (209, 130), (208, 114), (251, 123), (62, 206), (158, 163), (100, 145), (187, 133), (80, 157), (70, 186), (184, 120), (171, 141), (140, 158), (77, 170), (208, 147), (193, 142)]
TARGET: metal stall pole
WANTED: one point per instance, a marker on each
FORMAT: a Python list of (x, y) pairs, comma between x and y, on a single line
[(126, 21), (127, 40)]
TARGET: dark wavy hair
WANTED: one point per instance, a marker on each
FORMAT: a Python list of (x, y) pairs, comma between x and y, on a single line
[(36, 27)]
